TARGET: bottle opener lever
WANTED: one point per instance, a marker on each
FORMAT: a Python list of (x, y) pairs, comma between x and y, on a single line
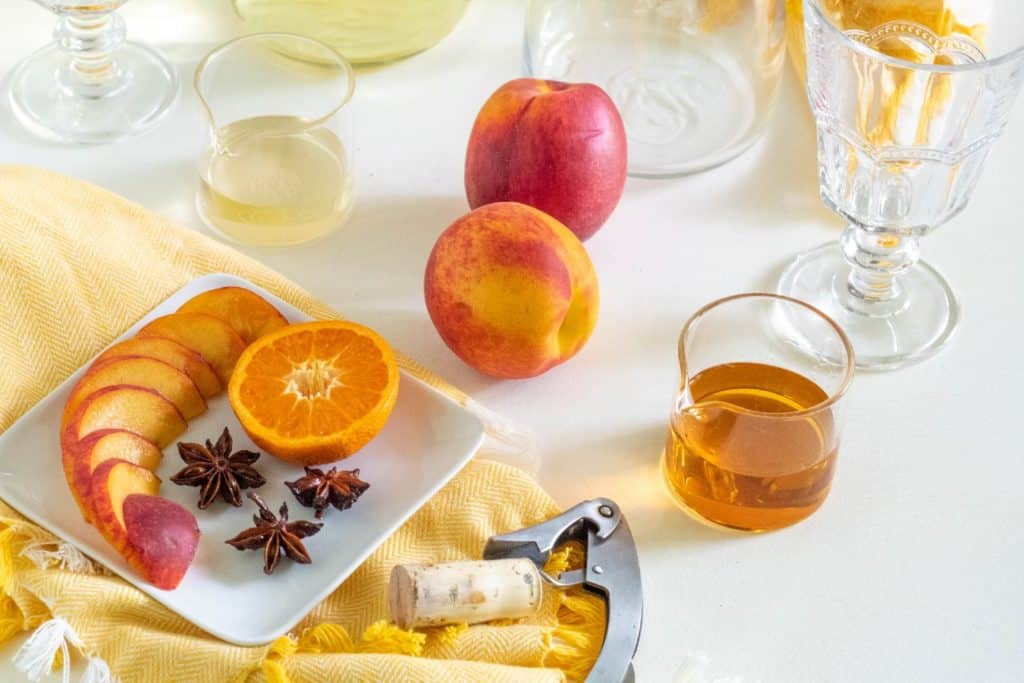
[(611, 569)]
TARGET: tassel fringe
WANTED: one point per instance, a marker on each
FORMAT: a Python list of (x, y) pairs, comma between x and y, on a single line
[(48, 647), (572, 646), (36, 656), (96, 671), (575, 643), (45, 553)]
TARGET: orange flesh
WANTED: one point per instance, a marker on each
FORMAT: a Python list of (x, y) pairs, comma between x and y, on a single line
[(314, 383), (315, 392)]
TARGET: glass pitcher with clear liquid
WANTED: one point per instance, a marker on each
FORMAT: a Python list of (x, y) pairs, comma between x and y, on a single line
[(276, 169)]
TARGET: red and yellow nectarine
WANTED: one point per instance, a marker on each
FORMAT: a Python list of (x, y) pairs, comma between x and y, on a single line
[(559, 147), (511, 290)]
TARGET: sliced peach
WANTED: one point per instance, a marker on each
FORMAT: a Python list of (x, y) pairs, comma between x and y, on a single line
[(174, 354), (137, 371), (112, 482), (156, 536), (248, 313), (210, 337), (133, 409), (82, 457), (163, 538)]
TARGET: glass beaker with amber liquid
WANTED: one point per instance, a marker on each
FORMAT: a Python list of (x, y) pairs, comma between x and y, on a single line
[(754, 430)]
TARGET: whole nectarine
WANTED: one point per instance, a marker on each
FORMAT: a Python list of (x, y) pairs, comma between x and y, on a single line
[(559, 147), (511, 290)]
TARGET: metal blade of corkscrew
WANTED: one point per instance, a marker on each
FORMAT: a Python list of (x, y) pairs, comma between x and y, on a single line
[(611, 569)]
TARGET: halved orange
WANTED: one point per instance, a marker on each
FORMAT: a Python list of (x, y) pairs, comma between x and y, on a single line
[(315, 392)]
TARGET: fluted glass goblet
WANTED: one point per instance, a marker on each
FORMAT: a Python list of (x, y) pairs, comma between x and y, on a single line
[(90, 85), (908, 99)]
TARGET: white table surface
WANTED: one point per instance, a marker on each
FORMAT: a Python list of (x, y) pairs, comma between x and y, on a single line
[(914, 568)]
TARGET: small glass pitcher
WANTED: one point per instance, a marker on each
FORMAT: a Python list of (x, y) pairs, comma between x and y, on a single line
[(276, 169), (754, 430)]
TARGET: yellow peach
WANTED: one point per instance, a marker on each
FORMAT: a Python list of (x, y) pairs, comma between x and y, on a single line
[(511, 290)]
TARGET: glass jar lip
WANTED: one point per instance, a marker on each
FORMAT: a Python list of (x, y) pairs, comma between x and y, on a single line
[(833, 397), (346, 66), (1009, 56)]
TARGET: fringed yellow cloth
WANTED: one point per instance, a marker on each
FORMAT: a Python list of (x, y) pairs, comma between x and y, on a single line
[(78, 265)]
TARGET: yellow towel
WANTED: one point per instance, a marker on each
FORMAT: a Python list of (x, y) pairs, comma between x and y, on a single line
[(78, 265)]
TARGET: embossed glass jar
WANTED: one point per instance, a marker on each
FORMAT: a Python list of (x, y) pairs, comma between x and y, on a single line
[(361, 30), (695, 80)]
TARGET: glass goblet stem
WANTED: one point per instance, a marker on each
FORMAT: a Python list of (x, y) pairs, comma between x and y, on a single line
[(90, 41), (877, 259)]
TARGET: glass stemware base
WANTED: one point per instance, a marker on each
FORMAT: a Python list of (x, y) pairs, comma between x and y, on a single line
[(910, 328), (45, 99)]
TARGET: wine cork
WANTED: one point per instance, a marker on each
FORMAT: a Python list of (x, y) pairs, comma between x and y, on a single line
[(463, 592)]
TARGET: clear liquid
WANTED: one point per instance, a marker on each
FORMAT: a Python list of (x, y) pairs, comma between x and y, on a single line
[(362, 30), (271, 180)]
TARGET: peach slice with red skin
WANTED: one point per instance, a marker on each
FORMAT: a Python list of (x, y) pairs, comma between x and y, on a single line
[(174, 354), (249, 314), (82, 457), (156, 536), (162, 537), (134, 409), (174, 385), (210, 337), (133, 402)]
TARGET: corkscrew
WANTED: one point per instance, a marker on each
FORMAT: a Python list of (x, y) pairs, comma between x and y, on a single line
[(611, 569)]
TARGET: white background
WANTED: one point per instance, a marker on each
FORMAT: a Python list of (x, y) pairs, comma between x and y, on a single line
[(914, 568)]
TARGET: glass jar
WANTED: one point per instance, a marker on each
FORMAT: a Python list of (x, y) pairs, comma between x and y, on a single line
[(694, 80), (361, 30)]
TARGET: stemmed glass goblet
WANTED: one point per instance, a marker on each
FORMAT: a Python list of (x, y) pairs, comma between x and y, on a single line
[(906, 116), (90, 85)]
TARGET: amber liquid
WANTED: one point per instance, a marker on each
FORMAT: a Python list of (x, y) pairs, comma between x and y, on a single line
[(751, 471)]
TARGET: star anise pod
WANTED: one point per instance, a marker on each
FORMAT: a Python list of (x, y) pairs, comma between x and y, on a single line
[(218, 471), (276, 535), (318, 489)]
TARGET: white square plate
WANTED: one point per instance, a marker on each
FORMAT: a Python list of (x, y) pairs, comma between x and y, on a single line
[(427, 440)]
